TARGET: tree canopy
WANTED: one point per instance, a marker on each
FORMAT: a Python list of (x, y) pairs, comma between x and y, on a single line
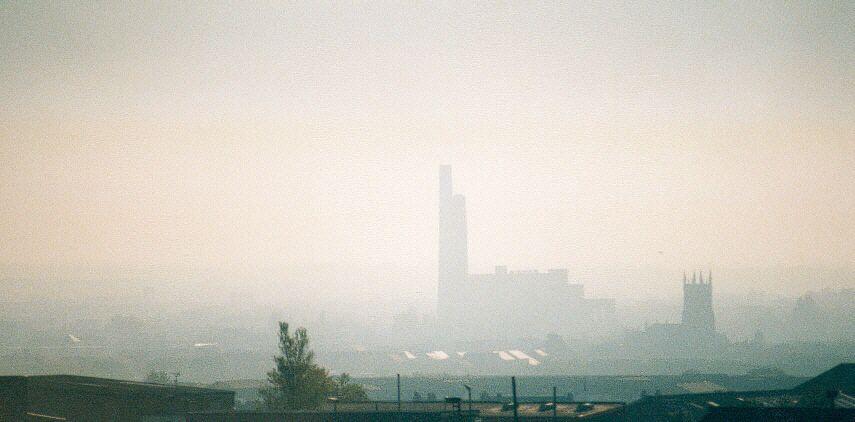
[(346, 391), (298, 383), (157, 377)]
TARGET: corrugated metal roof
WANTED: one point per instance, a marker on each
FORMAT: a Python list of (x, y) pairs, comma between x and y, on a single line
[(437, 355), (519, 354), (504, 355)]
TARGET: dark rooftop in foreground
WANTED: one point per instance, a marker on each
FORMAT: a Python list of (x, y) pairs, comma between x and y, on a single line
[(826, 395), (841, 377), (790, 414), (70, 397)]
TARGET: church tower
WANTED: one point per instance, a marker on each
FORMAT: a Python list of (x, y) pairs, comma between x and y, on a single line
[(698, 316), (453, 248)]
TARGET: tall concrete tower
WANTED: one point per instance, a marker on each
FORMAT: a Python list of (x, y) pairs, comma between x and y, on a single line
[(453, 247), (698, 313)]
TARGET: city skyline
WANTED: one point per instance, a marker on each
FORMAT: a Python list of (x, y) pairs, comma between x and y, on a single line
[(253, 136), (304, 210)]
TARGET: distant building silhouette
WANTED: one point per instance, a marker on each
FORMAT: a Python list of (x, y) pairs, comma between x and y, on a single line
[(698, 313), (453, 245), (504, 304), (694, 336)]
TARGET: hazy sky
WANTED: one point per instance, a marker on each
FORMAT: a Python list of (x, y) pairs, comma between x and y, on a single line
[(235, 135)]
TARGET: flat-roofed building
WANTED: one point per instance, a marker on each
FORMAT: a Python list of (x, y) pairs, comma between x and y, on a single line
[(77, 398), (504, 304)]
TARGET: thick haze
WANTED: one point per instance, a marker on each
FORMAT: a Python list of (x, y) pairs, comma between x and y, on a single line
[(249, 139)]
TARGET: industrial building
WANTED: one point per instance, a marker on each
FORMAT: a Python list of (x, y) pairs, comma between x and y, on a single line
[(76, 398), (504, 304)]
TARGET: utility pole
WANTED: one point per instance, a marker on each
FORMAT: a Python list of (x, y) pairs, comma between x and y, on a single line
[(469, 391), (400, 415), (334, 401), (554, 403), (514, 394), (175, 400)]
